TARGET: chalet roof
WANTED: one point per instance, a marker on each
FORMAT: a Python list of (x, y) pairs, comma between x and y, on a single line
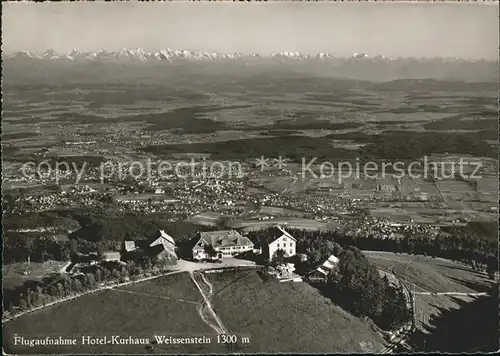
[(160, 248), (130, 245), (163, 238), (162, 242), (167, 237), (327, 266), (322, 271), (278, 231), (224, 238), (330, 262)]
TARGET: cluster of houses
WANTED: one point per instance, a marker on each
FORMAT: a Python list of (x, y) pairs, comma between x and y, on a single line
[(230, 243), (218, 245), (209, 245), (161, 247)]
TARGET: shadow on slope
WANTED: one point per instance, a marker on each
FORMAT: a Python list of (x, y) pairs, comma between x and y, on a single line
[(473, 327)]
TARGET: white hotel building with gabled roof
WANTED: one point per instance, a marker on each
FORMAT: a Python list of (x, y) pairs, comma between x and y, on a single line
[(282, 240)]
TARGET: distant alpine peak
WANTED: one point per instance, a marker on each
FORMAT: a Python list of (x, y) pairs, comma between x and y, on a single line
[(138, 53), (324, 55), (290, 54), (379, 57), (170, 55), (25, 54), (360, 56)]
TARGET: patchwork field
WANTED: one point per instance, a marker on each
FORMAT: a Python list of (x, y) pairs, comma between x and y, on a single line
[(208, 218), (244, 115), (296, 223)]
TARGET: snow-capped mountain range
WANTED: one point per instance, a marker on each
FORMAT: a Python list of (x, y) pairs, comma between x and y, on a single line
[(168, 54), (359, 66), (163, 54)]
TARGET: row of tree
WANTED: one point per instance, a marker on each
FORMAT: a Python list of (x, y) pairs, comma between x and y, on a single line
[(100, 230), (356, 285), (37, 220), (18, 247), (34, 294), (457, 246)]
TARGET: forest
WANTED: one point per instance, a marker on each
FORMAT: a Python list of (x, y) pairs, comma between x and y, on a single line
[(357, 287), (476, 242), (354, 284)]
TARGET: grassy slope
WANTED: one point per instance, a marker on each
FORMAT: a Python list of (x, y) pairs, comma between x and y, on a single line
[(118, 313), (432, 274), (286, 317), (176, 286), (440, 318)]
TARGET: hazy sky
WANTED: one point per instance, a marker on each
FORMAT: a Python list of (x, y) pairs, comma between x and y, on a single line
[(404, 29)]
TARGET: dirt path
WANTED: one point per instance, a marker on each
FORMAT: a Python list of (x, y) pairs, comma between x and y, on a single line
[(205, 309), (206, 318), (210, 287)]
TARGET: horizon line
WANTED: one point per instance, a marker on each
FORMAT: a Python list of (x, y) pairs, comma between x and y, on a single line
[(264, 54)]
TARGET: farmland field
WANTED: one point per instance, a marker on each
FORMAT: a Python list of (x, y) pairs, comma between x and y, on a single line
[(296, 223)]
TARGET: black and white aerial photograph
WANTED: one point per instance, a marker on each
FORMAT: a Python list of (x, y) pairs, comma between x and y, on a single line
[(219, 177)]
